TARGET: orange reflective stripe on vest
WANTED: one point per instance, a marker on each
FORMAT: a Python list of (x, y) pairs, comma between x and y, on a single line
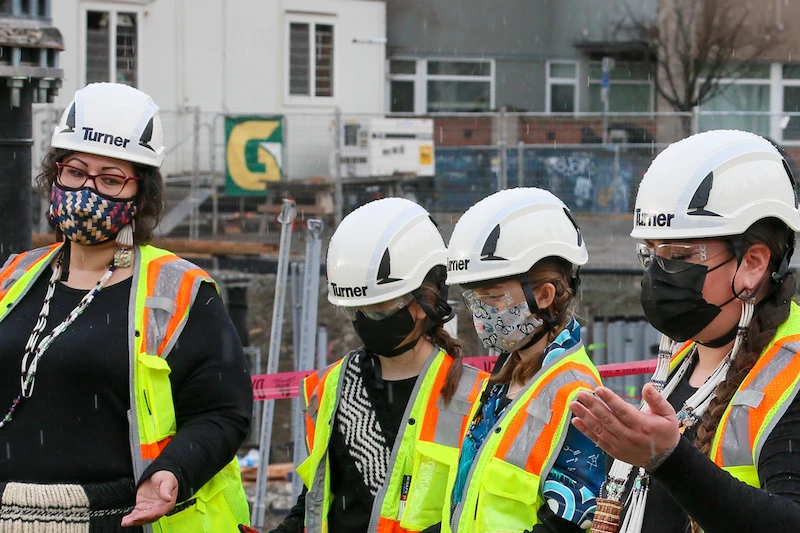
[(551, 396), (428, 429), (152, 451), (313, 390)]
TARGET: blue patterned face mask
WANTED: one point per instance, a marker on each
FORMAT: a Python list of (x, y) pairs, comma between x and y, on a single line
[(87, 217), (501, 329)]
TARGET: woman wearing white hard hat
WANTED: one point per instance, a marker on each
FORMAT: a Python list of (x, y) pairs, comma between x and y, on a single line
[(384, 423), (714, 446), (522, 467), (132, 400)]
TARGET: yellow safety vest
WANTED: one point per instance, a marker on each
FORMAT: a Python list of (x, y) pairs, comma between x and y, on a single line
[(504, 488), (426, 448), (758, 405), (163, 290)]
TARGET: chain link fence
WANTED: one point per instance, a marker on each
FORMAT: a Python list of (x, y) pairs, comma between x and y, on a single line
[(593, 162)]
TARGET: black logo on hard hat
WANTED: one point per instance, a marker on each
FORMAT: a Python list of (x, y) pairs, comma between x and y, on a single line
[(700, 199), (70, 120), (490, 246), (385, 270), (569, 216), (147, 135), (791, 180)]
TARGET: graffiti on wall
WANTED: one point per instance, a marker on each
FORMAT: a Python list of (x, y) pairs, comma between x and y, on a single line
[(595, 180)]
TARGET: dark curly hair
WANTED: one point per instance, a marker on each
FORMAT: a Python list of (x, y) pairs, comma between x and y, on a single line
[(149, 198)]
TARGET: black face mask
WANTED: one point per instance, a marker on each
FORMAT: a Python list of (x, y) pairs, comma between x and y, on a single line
[(673, 302), (381, 337)]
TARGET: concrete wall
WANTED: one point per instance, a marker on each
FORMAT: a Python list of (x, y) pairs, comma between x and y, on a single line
[(521, 35)]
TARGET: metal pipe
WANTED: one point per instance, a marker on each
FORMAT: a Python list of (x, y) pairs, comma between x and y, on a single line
[(194, 231), (338, 188), (286, 219), (308, 335)]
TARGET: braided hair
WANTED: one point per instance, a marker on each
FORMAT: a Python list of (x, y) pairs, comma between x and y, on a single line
[(770, 312), (432, 298)]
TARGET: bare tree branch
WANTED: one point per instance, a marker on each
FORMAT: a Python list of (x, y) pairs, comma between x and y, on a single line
[(700, 46)]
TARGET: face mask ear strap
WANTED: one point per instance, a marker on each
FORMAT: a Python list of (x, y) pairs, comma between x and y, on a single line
[(549, 320), (443, 311), (783, 269)]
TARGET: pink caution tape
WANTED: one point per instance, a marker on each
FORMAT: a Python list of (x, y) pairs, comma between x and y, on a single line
[(287, 384)]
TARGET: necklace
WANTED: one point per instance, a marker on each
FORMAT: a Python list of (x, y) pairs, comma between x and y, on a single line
[(34, 349)]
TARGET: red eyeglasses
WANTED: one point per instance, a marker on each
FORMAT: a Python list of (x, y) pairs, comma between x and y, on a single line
[(108, 184)]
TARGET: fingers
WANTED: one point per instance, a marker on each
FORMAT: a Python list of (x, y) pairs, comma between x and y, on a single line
[(622, 410), (168, 491), (656, 402), (588, 425), (606, 425), (140, 517)]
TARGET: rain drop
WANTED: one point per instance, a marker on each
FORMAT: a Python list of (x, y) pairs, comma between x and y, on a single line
[(41, 437)]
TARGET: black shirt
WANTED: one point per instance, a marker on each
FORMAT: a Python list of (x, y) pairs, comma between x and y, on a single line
[(74, 429)]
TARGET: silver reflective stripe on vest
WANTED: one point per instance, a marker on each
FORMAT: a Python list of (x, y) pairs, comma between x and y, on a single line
[(794, 348), (315, 496), (139, 464), (735, 443), (451, 415), (9, 281), (167, 286), (539, 416), (169, 280), (381, 495)]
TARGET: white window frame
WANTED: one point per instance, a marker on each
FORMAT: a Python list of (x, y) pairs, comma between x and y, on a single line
[(421, 78), (113, 11), (312, 21), (777, 113), (613, 82), (550, 81)]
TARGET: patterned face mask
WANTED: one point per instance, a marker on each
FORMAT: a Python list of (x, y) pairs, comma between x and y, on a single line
[(87, 217), (501, 329)]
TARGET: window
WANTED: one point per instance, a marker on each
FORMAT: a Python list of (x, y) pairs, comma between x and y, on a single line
[(440, 85), (310, 59), (742, 104), (5, 7), (562, 87), (111, 47), (631, 89), (790, 125)]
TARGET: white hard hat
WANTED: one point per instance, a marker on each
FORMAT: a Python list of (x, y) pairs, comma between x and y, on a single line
[(112, 120), (381, 251), (714, 184), (508, 232)]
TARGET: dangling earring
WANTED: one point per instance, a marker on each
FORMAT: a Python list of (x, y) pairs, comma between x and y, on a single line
[(123, 256)]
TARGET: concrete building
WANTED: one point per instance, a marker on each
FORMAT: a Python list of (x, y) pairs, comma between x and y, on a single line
[(538, 56), (298, 58)]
